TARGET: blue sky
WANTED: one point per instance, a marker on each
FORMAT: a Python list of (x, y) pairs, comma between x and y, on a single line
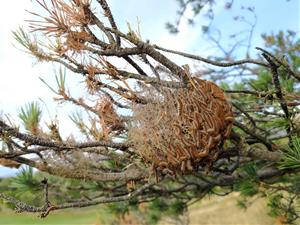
[(273, 15), (19, 81)]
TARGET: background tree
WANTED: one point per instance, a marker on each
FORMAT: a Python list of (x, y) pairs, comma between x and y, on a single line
[(151, 129)]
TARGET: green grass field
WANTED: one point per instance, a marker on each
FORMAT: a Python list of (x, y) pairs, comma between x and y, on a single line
[(88, 216)]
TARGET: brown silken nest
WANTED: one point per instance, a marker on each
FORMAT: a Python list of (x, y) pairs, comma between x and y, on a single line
[(182, 129)]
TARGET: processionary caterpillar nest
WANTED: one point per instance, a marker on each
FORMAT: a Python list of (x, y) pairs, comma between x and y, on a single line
[(181, 129)]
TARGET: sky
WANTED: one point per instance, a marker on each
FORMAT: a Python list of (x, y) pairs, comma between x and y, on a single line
[(19, 76)]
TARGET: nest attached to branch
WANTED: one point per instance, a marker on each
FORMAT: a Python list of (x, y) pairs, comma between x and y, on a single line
[(182, 129)]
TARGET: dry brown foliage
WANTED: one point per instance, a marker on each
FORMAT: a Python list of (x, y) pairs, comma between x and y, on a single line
[(63, 16), (9, 163), (109, 119), (182, 129), (76, 40)]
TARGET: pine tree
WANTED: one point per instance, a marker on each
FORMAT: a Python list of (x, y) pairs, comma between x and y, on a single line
[(155, 135)]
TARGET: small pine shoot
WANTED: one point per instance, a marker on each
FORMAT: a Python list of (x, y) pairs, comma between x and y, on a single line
[(60, 78), (291, 158), (30, 115)]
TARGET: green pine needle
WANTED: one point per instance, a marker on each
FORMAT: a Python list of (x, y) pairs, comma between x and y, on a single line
[(250, 170), (24, 181), (52, 89), (22, 38), (77, 119), (31, 116), (246, 187), (60, 78), (291, 158)]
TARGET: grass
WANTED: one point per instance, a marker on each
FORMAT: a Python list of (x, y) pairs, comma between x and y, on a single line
[(87, 216), (225, 211)]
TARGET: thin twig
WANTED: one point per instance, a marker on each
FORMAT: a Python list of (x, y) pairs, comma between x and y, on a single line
[(212, 62)]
